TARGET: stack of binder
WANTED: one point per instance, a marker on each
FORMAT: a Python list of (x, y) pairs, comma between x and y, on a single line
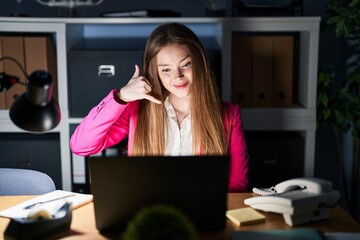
[(262, 70)]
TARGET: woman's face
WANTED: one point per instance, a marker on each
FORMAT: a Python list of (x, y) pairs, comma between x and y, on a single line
[(175, 69)]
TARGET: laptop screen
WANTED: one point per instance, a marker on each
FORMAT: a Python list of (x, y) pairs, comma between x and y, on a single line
[(195, 185)]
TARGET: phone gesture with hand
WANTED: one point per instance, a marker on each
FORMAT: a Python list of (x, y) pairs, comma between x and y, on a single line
[(137, 88)]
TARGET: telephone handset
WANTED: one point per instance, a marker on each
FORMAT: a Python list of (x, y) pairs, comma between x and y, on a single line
[(314, 185), (300, 200)]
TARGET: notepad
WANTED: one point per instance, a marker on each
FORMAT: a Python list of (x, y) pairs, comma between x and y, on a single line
[(244, 216), (45, 200)]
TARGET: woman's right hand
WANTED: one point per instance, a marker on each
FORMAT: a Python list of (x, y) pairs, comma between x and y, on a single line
[(137, 88)]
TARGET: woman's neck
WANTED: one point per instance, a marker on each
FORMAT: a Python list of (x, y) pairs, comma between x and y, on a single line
[(181, 107)]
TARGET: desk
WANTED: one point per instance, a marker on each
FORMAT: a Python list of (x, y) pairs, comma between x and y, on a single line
[(83, 222)]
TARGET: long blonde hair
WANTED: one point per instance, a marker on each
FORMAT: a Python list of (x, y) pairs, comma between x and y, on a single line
[(208, 131)]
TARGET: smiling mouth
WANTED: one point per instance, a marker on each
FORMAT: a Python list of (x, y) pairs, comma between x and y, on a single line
[(181, 85)]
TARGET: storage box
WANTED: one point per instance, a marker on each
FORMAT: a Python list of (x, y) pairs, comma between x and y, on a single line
[(94, 73)]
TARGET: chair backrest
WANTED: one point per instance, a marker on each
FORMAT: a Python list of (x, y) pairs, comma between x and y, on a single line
[(24, 182)]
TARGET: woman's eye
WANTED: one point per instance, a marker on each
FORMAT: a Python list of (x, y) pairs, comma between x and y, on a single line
[(165, 70), (187, 64)]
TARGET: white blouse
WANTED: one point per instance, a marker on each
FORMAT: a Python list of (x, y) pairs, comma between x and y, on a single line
[(178, 140)]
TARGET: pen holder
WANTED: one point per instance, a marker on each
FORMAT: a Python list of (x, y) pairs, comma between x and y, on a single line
[(27, 229)]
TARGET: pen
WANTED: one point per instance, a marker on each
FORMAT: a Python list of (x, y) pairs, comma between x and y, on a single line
[(51, 200)]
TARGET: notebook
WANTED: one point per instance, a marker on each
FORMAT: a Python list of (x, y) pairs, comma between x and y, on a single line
[(195, 185)]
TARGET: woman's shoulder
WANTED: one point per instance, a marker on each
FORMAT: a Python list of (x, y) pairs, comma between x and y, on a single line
[(231, 114), (232, 107), (231, 111)]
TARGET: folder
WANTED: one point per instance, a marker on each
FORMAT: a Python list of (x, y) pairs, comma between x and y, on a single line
[(282, 64), (241, 82), (262, 71), (13, 46), (47, 201), (40, 55)]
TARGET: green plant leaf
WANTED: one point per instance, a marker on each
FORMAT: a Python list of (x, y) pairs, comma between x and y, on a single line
[(323, 99), (354, 3), (334, 20), (327, 114), (341, 29)]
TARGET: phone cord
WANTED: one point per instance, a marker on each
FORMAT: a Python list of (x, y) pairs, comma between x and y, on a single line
[(264, 191)]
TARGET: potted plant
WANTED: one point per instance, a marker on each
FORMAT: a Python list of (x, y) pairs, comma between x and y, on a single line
[(160, 222), (338, 98)]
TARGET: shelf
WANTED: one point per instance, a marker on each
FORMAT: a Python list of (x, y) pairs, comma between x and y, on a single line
[(216, 33), (279, 119)]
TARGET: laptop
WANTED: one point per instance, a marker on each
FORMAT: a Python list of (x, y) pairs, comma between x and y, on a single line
[(195, 185)]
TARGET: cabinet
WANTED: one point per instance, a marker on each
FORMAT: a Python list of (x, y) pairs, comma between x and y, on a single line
[(99, 34)]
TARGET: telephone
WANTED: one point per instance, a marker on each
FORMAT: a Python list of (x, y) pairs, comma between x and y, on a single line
[(300, 200)]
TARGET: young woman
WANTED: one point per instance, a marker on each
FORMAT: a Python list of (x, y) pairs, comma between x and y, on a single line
[(172, 109)]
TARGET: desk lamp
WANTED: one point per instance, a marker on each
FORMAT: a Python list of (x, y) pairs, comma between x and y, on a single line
[(35, 110)]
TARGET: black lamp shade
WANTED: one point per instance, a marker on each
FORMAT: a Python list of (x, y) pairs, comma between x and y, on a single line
[(36, 110)]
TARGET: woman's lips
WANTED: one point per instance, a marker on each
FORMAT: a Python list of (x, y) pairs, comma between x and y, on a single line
[(180, 86)]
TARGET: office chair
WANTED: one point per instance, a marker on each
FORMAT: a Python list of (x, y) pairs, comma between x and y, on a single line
[(24, 182)]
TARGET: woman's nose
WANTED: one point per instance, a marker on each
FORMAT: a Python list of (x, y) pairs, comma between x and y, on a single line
[(179, 73)]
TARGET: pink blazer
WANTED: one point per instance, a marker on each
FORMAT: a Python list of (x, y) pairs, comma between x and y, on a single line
[(109, 122)]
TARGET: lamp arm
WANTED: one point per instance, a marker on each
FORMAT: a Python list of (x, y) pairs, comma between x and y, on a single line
[(19, 65)]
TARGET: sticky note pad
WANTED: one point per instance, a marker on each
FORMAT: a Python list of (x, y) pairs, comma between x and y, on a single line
[(244, 216)]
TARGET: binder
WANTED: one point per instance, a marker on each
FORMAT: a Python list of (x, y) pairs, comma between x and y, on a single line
[(1, 55), (40, 55), (2, 100), (2, 94), (262, 71), (241, 82), (12, 93), (13, 46), (282, 64)]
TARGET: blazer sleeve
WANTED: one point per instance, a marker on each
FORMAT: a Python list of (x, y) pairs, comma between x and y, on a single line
[(105, 125), (239, 162)]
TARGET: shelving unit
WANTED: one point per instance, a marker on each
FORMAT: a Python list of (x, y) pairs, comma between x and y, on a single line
[(131, 33)]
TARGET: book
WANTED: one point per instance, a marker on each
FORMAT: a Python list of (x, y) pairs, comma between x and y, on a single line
[(142, 13), (244, 216), (48, 201), (283, 234)]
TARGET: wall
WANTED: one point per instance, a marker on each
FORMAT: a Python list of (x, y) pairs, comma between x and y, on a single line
[(188, 8)]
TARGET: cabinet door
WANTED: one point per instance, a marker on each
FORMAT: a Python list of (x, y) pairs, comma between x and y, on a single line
[(94, 73), (39, 152), (274, 157)]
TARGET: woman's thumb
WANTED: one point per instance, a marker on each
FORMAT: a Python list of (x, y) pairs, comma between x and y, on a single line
[(137, 71)]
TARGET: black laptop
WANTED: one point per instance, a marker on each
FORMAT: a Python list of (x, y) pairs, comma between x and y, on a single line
[(196, 185)]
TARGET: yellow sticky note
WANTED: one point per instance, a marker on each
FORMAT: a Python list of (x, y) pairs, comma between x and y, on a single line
[(244, 216)]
